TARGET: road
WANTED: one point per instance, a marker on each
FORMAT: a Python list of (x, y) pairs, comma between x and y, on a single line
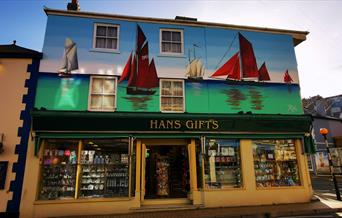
[(324, 184)]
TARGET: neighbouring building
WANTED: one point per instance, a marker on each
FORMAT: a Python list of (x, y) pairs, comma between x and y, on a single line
[(18, 78), (133, 111), (326, 113)]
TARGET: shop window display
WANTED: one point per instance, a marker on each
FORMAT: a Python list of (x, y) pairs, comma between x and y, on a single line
[(104, 168), (222, 164), (275, 163), (58, 170), (101, 169)]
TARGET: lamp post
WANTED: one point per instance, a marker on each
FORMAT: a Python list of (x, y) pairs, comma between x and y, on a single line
[(324, 132)]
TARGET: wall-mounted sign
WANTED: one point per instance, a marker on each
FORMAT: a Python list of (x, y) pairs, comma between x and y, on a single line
[(3, 173), (184, 124)]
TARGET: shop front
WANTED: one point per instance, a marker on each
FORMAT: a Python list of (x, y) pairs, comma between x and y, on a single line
[(106, 163)]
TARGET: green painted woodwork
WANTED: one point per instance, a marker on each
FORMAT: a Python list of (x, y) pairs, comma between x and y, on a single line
[(55, 93), (146, 122)]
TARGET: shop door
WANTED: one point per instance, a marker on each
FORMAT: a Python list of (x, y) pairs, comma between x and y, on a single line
[(166, 172)]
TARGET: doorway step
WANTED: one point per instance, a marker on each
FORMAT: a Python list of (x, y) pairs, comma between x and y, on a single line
[(166, 205)]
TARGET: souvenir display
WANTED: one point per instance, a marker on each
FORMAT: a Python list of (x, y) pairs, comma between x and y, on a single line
[(222, 164), (102, 168), (103, 174), (58, 174), (162, 173), (275, 163)]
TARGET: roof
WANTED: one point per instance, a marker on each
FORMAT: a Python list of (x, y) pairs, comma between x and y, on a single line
[(14, 51), (298, 36)]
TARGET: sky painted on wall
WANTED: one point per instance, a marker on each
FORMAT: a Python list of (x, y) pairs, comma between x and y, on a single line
[(214, 47), (319, 62)]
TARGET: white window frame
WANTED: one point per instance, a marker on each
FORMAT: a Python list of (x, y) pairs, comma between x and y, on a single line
[(182, 42), (102, 94), (118, 37), (160, 94)]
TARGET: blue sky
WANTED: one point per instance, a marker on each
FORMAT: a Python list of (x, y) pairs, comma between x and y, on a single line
[(319, 60)]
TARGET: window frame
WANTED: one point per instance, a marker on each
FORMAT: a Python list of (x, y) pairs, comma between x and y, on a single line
[(90, 93), (172, 96), (160, 42), (117, 38)]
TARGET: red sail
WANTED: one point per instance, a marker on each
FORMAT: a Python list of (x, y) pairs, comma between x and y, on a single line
[(127, 70), (263, 73), (249, 65), (152, 80), (287, 77), (231, 68), (133, 76), (143, 67), (141, 38)]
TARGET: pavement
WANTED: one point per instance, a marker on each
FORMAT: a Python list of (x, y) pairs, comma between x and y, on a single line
[(323, 205)]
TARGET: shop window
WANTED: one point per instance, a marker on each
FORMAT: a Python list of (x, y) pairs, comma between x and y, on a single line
[(106, 37), (102, 166), (222, 164), (102, 96), (58, 170), (275, 163), (172, 95), (171, 41)]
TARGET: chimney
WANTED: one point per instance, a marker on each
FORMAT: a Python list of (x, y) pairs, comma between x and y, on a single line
[(185, 18), (73, 6)]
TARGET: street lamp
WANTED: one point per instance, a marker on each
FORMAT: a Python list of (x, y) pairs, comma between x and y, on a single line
[(324, 132)]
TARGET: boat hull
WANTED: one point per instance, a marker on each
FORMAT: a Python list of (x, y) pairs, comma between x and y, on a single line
[(138, 91), (253, 83)]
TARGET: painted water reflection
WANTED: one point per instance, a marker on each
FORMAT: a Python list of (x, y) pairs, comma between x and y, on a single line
[(234, 98), (139, 102), (256, 98)]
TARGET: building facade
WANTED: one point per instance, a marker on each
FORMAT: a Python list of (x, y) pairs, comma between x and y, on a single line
[(18, 78), (132, 112)]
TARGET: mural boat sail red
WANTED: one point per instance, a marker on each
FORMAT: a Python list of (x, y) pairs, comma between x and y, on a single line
[(140, 73), (247, 71), (287, 77)]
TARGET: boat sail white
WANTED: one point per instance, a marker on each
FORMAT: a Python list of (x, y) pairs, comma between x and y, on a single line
[(70, 61)]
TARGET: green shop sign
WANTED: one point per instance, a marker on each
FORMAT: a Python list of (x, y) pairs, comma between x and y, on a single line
[(65, 121)]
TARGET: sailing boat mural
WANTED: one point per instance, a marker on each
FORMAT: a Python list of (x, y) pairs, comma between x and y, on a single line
[(242, 67), (195, 69), (141, 74), (287, 77), (70, 61)]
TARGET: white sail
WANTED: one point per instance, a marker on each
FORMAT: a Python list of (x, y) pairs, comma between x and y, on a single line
[(70, 61), (195, 69)]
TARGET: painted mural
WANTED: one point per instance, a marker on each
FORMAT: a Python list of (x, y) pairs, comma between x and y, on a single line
[(225, 71)]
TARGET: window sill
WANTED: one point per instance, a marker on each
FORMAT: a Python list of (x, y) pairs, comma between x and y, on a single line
[(105, 50), (178, 112), (101, 110), (171, 55), (81, 200)]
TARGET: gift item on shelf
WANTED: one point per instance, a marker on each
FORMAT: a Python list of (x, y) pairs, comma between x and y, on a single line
[(58, 182), (275, 163), (222, 164), (162, 173)]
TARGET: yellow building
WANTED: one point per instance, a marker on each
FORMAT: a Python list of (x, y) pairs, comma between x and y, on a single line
[(18, 76), (142, 114)]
